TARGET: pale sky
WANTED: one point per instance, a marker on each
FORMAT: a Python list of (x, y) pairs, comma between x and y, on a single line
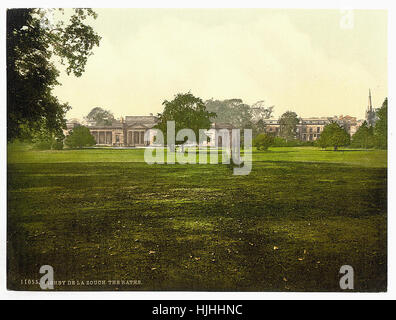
[(299, 60)]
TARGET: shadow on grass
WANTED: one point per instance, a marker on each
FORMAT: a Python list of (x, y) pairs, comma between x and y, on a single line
[(348, 150), (272, 151)]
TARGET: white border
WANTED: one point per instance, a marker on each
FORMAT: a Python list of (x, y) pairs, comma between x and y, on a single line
[(334, 4)]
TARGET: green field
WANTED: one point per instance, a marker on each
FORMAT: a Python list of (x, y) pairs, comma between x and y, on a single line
[(104, 214)]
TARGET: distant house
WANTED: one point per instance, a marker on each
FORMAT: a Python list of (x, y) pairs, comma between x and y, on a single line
[(310, 129)]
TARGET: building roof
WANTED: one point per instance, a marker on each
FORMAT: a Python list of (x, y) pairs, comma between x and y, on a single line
[(116, 124), (221, 125), (141, 119)]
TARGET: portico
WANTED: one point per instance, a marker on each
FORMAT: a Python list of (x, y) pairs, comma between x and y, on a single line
[(135, 136)]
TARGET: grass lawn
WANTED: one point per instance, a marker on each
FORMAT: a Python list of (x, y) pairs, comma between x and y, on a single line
[(104, 214)]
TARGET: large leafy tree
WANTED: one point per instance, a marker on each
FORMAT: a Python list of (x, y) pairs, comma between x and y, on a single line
[(364, 137), (100, 116), (333, 135), (188, 112), (288, 125), (381, 126), (34, 41)]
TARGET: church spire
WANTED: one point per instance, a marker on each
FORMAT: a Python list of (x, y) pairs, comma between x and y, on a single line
[(370, 106), (370, 113)]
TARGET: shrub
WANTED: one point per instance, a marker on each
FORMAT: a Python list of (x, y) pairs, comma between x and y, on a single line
[(42, 145), (57, 145), (80, 137), (263, 141)]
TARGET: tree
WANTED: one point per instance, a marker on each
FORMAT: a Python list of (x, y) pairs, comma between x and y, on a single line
[(43, 139), (33, 41), (80, 137), (381, 126), (364, 137), (188, 112), (232, 111), (238, 113), (288, 125), (260, 111), (100, 116), (263, 141), (258, 127), (333, 135), (322, 142)]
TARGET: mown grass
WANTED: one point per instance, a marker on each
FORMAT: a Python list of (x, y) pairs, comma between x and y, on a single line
[(366, 158), (289, 225)]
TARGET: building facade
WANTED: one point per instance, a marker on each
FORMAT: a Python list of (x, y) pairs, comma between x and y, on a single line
[(310, 129), (130, 132), (217, 136)]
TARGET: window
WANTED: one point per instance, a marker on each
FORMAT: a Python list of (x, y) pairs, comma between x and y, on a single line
[(136, 137), (102, 137), (318, 129), (109, 137)]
